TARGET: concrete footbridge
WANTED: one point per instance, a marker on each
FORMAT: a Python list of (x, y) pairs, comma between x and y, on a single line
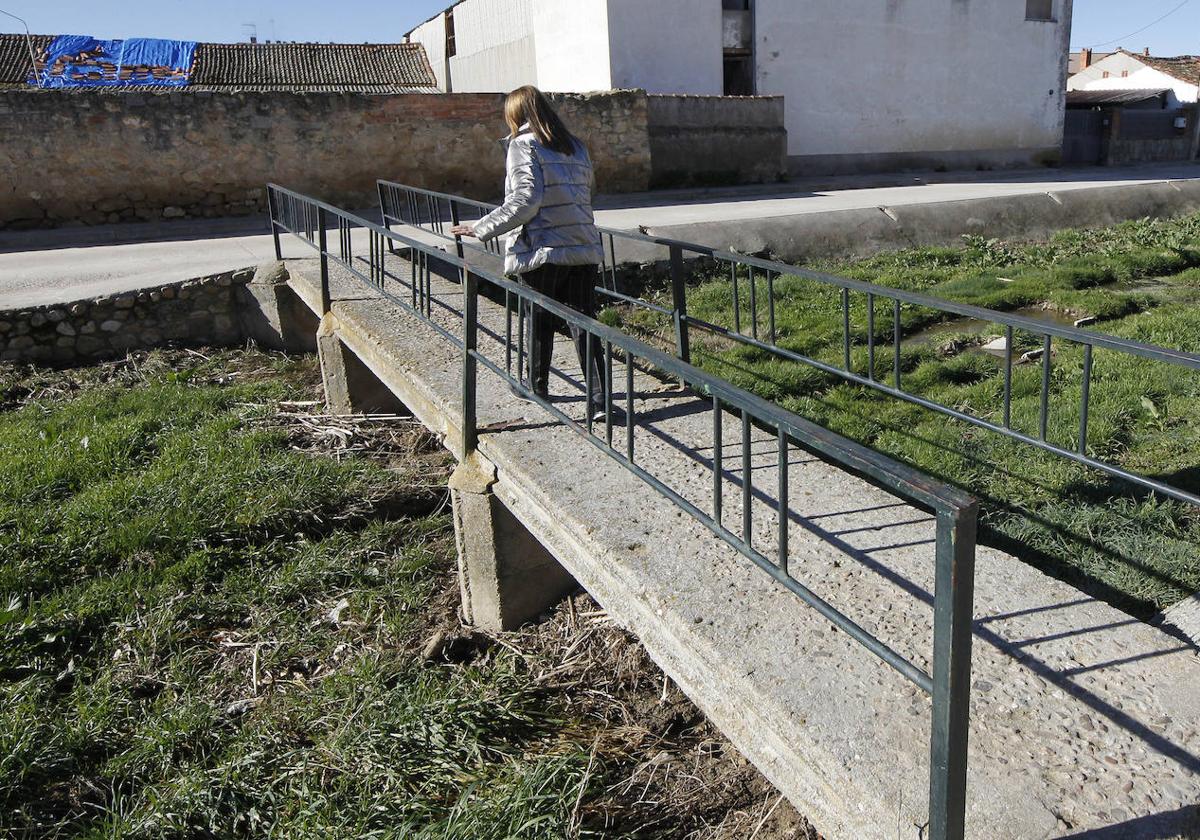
[(826, 607)]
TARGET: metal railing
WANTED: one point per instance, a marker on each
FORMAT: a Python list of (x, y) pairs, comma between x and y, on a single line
[(956, 512), (753, 304)]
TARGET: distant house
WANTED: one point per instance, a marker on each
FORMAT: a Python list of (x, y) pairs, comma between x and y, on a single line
[(1126, 71), (1083, 59), (351, 68), (868, 86)]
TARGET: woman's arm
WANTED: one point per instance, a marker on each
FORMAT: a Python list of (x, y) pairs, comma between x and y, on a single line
[(523, 201)]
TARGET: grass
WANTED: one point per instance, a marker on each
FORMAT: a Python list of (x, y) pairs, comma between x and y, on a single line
[(209, 627), (174, 661), (1138, 280)]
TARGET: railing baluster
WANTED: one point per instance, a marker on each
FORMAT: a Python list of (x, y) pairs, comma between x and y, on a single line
[(679, 304), (1044, 425), (846, 330), (718, 460), (508, 312), (588, 388), (747, 483), (323, 245), (608, 393), (870, 336), (272, 210), (952, 613), (470, 422), (612, 254), (771, 303), (783, 500), (629, 406), (1085, 399), (737, 304), (753, 305), (896, 337), (1008, 376)]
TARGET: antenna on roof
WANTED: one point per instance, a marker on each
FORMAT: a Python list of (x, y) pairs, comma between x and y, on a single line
[(28, 41)]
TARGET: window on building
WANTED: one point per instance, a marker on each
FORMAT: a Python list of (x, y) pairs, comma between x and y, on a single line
[(1124, 74), (736, 5), (451, 50), (1106, 74), (1039, 10)]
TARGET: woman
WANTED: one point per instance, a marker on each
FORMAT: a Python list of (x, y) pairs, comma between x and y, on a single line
[(554, 246)]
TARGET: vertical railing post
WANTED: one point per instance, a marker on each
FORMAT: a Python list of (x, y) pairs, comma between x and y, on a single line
[(953, 605), (454, 220), (323, 244), (679, 304), (271, 211), (470, 430)]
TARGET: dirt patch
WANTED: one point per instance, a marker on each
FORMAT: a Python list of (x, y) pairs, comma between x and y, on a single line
[(668, 772)]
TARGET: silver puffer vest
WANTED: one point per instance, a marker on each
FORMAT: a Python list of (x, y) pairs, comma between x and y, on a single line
[(547, 208)]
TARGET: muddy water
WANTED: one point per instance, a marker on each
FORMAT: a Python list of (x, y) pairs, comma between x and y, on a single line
[(945, 331)]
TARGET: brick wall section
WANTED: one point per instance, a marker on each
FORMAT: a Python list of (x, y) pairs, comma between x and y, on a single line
[(101, 157), (716, 140)]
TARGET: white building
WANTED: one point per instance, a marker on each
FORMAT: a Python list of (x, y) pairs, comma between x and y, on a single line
[(1130, 71), (868, 84)]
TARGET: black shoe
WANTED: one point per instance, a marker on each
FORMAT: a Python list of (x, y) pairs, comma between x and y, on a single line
[(524, 397), (597, 414)]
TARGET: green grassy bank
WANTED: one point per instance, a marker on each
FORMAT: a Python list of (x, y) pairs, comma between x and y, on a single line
[(1139, 280)]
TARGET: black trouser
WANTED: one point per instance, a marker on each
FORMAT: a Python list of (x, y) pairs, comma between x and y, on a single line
[(574, 286)]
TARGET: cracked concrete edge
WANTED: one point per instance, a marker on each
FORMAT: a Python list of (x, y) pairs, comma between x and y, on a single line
[(1183, 619)]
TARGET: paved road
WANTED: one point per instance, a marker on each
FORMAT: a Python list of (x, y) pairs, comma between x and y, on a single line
[(48, 266)]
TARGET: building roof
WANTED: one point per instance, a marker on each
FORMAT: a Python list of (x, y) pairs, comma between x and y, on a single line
[(354, 68), (1186, 68), (14, 56), (1114, 96), (382, 68)]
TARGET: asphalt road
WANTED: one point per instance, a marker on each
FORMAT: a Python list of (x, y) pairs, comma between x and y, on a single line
[(61, 265)]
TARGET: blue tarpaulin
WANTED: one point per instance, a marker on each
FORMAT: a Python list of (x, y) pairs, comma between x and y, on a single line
[(84, 61)]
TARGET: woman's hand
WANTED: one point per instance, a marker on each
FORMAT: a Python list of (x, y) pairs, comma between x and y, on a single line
[(463, 230)]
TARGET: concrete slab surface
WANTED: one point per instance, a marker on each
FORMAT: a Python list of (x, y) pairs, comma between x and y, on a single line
[(1085, 721)]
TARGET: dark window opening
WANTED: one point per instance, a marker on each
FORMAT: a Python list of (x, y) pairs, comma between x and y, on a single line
[(739, 75), (451, 50), (1039, 10), (735, 5)]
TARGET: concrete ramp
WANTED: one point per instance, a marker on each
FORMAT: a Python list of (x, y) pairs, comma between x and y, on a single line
[(1084, 720)]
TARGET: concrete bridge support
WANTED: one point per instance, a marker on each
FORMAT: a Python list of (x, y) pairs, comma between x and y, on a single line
[(273, 315), (350, 386), (507, 577)]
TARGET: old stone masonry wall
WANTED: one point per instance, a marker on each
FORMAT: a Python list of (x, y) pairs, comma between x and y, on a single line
[(98, 157), (204, 311), (101, 157)]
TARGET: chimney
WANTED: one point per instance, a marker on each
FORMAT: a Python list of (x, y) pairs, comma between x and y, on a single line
[(1146, 52), (1085, 59), (253, 39)]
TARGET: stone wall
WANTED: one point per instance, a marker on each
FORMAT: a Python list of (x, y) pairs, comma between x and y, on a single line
[(716, 140), (196, 312), (221, 310), (102, 157)]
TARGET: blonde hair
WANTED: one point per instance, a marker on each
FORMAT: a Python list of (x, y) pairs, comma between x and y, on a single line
[(529, 105)]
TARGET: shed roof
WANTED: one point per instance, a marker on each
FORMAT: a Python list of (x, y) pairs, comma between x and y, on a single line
[(1114, 96), (356, 68)]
